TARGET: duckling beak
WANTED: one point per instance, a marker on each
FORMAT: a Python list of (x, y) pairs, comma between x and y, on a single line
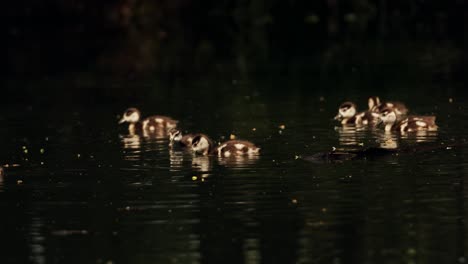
[(337, 117), (122, 121)]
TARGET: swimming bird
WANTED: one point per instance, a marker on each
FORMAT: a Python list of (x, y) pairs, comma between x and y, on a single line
[(388, 117), (202, 144), (149, 124), (348, 114)]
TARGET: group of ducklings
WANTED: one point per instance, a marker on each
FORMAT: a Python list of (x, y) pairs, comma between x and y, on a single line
[(393, 115), (199, 143)]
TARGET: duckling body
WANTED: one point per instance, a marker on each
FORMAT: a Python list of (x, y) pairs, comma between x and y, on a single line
[(202, 144), (150, 124), (410, 124), (417, 123), (236, 148)]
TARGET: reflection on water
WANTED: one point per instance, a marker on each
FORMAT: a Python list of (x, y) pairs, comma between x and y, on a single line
[(420, 136), (388, 140), (202, 165), (351, 135), (140, 201), (244, 161)]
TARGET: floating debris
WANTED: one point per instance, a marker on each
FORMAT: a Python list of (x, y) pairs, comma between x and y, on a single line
[(232, 136), (194, 178), (282, 126)]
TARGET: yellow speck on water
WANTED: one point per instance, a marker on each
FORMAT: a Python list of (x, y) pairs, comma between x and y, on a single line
[(297, 157), (254, 129), (42, 151), (19, 182), (450, 100), (361, 144), (282, 126), (24, 147), (411, 251), (194, 178), (25, 151), (324, 210), (78, 155), (232, 136), (294, 201)]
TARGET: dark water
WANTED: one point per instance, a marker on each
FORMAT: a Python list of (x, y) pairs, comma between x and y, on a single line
[(86, 192)]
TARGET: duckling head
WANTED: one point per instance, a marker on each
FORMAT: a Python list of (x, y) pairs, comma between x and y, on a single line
[(201, 144), (388, 116), (346, 110), (175, 135), (373, 102), (131, 115)]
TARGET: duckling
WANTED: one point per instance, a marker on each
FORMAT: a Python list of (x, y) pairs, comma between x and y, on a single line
[(176, 137), (149, 124), (202, 144), (376, 106), (347, 114), (410, 124)]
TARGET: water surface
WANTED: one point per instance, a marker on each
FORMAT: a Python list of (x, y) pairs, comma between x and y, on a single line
[(87, 192)]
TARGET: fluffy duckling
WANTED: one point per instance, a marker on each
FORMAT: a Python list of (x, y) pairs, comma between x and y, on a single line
[(149, 124), (202, 144), (376, 106), (176, 138), (348, 114), (388, 116)]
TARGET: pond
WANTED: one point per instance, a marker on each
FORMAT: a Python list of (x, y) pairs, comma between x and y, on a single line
[(80, 189)]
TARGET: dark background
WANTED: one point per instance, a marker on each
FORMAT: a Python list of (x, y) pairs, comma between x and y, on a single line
[(98, 47), (139, 36)]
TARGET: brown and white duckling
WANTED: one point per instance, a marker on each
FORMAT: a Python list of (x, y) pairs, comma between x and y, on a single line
[(388, 116), (202, 144), (176, 138), (376, 106), (348, 114), (149, 124)]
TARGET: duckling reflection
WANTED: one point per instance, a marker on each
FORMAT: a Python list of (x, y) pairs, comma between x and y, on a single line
[(239, 161), (131, 141), (203, 164), (176, 159), (350, 135), (420, 136), (388, 141), (132, 147)]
